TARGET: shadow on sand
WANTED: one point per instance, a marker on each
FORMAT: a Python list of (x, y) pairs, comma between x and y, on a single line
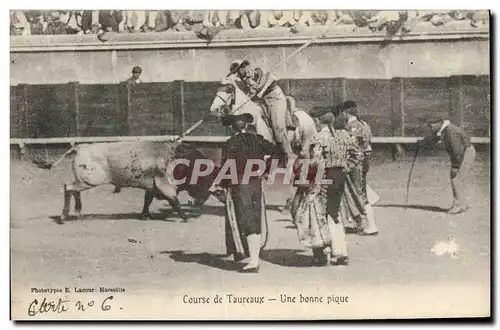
[(167, 216), (287, 257), (206, 259), (429, 208), (281, 257)]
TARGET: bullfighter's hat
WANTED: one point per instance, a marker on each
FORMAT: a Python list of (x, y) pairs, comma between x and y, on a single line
[(235, 65), (433, 118), (344, 106), (231, 119)]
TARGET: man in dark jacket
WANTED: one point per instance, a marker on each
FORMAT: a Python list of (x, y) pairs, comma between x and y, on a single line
[(246, 223), (135, 78), (462, 155)]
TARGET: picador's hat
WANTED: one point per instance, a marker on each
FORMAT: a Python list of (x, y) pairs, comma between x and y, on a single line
[(235, 65), (231, 119)]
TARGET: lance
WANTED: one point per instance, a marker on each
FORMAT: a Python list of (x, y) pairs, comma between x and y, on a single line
[(409, 177), (199, 122)]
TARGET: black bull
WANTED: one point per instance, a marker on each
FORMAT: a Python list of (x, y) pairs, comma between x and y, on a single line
[(142, 165)]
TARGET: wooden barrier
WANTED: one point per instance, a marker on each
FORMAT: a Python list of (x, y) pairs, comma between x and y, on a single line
[(394, 107), (78, 113), (201, 141)]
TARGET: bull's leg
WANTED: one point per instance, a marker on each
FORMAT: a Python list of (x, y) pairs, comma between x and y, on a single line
[(176, 205), (148, 199), (73, 189), (67, 203), (170, 192), (78, 203)]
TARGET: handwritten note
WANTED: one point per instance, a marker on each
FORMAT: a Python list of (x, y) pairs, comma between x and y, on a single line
[(40, 306), (69, 299)]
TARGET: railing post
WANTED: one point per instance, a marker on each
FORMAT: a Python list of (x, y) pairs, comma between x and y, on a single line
[(398, 114), (339, 91), (343, 89), (124, 100), (178, 106), (75, 100), (456, 100), (22, 103), (286, 86)]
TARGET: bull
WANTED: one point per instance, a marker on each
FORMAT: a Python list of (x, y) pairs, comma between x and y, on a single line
[(143, 165)]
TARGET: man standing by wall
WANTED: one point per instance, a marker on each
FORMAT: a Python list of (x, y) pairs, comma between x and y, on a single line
[(136, 73), (462, 155), (131, 82)]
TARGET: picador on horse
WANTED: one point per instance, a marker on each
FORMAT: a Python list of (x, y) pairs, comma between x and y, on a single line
[(262, 88)]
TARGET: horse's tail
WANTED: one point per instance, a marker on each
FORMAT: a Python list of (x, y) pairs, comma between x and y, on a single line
[(49, 165)]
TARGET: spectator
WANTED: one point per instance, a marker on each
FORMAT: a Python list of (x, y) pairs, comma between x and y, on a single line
[(134, 80), (362, 18), (55, 23), (276, 18), (36, 20), (151, 20), (479, 18), (253, 18), (436, 17), (389, 19), (161, 21), (90, 21), (229, 19), (358, 18), (211, 19), (194, 20), (136, 20), (74, 22), (19, 24), (179, 20), (102, 21)]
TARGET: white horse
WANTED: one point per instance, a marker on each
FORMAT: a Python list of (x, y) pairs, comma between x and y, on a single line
[(230, 99)]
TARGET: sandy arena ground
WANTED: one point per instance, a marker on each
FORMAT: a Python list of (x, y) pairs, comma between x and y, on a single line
[(160, 261)]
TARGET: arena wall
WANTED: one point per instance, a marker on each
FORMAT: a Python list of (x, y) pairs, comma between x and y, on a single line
[(68, 85)]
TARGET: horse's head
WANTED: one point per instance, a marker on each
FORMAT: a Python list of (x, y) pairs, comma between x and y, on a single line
[(224, 98)]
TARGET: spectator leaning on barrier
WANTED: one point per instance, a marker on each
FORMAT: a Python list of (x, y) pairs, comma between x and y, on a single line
[(90, 21), (74, 25), (161, 21), (109, 21), (478, 18), (136, 20), (19, 24), (101, 21)]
